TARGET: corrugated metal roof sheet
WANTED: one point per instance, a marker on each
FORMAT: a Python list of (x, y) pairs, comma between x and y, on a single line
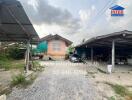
[(121, 38), (14, 23)]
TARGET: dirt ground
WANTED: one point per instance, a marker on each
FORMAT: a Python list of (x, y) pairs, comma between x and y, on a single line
[(121, 76), (5, 76)]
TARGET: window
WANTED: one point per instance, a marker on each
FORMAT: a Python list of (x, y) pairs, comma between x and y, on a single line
[(56, 45)]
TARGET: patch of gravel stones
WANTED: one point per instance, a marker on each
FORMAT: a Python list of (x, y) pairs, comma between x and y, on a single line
[(49, 86)]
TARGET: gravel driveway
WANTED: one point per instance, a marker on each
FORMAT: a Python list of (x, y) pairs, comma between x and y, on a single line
[(59, 81)]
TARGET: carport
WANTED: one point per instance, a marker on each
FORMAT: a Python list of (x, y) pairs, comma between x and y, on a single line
[(15, 25), (108, 48)]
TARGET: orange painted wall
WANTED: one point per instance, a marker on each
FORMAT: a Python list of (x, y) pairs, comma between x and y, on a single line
[(61, 53)]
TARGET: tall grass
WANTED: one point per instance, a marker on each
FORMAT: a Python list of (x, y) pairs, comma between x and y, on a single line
[(18, 79), (4, 62), (22, 81)]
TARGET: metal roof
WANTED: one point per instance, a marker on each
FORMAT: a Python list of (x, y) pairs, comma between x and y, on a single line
[(122, 39), (15, 25)]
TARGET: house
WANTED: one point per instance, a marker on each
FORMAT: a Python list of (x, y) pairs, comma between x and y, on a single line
[(56, 46), (117, 11)]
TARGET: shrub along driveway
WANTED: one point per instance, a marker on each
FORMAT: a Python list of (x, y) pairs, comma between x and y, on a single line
[(59, 81)]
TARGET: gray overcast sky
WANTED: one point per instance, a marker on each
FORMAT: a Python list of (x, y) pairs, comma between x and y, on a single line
[(77, 19)]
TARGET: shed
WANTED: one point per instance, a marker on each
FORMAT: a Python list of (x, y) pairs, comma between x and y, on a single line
[(15, 25), (109, 47)]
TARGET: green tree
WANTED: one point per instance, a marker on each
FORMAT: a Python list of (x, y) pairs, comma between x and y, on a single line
[(70, 49)]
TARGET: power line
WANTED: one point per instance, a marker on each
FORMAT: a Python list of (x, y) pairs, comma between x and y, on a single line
[(100, 13)]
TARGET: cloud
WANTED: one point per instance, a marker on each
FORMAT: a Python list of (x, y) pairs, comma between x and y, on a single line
[(84, 15), (87, 14), (41, 13), (93, 8), (50, 19)]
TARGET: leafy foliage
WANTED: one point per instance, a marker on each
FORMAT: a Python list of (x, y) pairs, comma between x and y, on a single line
[(70, 49), (9, 52), (16, 53)]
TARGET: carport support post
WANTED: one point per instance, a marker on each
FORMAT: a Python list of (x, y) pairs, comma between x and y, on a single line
[(27, 55), (92, 54), (113, 54)]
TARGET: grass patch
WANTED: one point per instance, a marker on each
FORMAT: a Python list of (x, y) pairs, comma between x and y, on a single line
[(121, 90), (11, 64), (5, 65), (8, 63), (17, 64), (4, 62)]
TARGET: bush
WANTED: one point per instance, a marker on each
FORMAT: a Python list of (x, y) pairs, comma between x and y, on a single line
[(16, 53)]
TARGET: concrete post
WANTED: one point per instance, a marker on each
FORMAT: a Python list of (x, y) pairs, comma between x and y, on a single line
[(92, 54), (27, 56), (113, 54)]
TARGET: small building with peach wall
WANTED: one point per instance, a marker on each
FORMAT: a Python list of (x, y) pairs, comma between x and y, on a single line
[(56, 46)]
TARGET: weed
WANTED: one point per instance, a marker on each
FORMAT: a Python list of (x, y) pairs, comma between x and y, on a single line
[(112, 98), (22, 81), (18, 79), (120, 90), (91, 72), (100, 70), (37, 66)]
